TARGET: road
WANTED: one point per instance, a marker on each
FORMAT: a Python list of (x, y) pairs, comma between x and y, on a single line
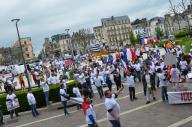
[(133, 114)]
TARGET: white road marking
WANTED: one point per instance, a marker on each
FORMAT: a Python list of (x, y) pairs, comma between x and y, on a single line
[(181, 122), (97, 105), (126, 112)]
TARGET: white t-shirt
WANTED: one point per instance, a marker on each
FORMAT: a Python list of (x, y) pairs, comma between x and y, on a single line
[(90, 111), (162, 81), (76, 91), (147, 78), (97, 81), (11, 97), (111, 103), (137, 67), (62, 91), (31, 99), (45, 86), (130, 81), (183, 65)]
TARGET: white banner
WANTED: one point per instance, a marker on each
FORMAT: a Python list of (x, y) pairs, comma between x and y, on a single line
[(12, 104), (180, 97)]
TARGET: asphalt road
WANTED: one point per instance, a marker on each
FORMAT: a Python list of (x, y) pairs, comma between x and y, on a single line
[(133, 114)]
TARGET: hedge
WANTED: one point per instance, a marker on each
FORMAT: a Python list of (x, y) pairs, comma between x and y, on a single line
[(39, 95)]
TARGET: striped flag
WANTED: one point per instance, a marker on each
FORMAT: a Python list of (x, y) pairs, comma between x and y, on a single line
[(95, 48)]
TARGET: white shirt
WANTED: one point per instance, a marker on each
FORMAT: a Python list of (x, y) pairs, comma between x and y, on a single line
[(97, 81), (37, 75), (111, 103), (137, 67), (82, 78), (162, 81), (147, 78), (76, 91), (31, 99), (130, 81), (62, 91), (183, 65), (90, 111), (45, 86), (11, 97)]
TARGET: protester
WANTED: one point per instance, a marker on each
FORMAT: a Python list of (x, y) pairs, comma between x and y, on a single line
[(21, 81), (45, 91), (11, 98), (76, 91), (63, 99), (89, 113), (32, 102), (113, 108), (98, 85), (117, 79), (163, 85), (131, 86), (175, 75)]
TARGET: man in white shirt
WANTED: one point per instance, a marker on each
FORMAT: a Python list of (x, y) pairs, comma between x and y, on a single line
[(32, 102), (63, 99), (163, 85), (98, 85), (131, 86), (113, 108), (78, 94), (38, 78), (137, 68), (45, 90)]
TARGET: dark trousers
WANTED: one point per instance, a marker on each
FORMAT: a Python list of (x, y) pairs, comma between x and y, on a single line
[(34, 110), (12, 112), (91, 125), (65, 107), (132, 93), (138, 75), (145, 90), (1, 118), (46, 98), (100, 91), (164, 93), (78, 106), (38, 83), (115, 123), (110, 87)]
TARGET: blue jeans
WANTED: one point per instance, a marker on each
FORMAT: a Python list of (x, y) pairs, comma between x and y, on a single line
[(46, 98), (100, 91), (164, 93), (115, 123), (34, 110), (65, 107)]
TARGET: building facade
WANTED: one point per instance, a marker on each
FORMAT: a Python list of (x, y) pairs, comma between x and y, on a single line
[(115, 30), (27, 48)]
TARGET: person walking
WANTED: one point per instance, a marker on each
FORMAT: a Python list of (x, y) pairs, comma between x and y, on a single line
[(45, 91), (112, 107), (98, 85), (163, 85), (89, 113), (175, 75), (117, 79), (76, 91), (63, 99), (21, 81), (32, 102), (131, 86)]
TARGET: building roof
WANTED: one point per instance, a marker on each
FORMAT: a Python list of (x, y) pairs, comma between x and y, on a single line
[(112, 18)]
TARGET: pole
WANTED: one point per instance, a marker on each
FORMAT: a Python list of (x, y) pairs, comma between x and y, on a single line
[(23, 58)]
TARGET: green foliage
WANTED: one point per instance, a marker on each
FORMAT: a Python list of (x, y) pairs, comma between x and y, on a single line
[(71, 75), (39, 95), (159, 32), (181, 34), (132, 38)]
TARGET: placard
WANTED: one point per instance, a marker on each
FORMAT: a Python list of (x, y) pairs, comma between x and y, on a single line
[(180, 97), (12, 104)]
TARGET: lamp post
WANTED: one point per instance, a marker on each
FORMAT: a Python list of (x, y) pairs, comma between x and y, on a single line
[(26, 72)]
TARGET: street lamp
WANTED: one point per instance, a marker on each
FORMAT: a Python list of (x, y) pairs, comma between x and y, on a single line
[(26, 73)]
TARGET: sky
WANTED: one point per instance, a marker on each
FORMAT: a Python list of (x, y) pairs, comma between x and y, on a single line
[(43, 18)]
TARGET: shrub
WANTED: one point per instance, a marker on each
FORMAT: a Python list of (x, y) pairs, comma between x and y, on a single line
[(38, 93), (181, 34)]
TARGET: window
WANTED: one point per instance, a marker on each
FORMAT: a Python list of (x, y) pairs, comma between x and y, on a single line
[(27, 55), (26, 49), (25, 42)]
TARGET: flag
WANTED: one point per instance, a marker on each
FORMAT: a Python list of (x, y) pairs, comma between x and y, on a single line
[(155, 39), (115, 57), (130, 54), (146, 41)]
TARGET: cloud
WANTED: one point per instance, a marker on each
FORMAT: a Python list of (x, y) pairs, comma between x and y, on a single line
[(43, 18)]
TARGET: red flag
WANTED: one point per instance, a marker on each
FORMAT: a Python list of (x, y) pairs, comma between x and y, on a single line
[(155, 40), (133, 54)]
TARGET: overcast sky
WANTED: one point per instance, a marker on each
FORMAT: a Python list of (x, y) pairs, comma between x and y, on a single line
[(43, 18)]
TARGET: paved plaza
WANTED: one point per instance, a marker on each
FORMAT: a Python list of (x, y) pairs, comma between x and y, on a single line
[(133, 114)]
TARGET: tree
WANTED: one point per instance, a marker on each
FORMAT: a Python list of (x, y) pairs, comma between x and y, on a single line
[(159, 33), (132, 38), (82, 37)]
